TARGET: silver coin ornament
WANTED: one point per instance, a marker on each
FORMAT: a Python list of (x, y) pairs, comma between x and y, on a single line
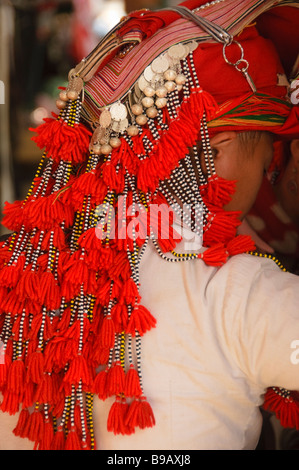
[(118, 112)]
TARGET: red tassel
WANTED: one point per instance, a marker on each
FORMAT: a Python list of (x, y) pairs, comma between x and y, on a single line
[(115, 379), (218, 191), (12, 303), (117, 417), (4, 368), (72, 441), (141, 320), (222, 226), (28, 286), (28, 398), (48, 436), (285, 406), (10, 275), (215, 256), (11, 402), (119, 313), (77, 371), (51, 297), (44, 390), (107, 333), (240, 244), (35, 426), (16, 377), (48, 212), (63, 142), (140, 414), (100, 384), (13, 215), (130, 294), (35, 367), (20, 429), (132, 383), (58, 442)]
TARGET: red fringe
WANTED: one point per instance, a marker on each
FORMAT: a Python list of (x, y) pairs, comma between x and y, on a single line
[(20, 429), (182, 134), (140, 414), (46, 439), (141, 320), (44, 390), (129, 293), (58, 442), (115, 379), (88, 183), (35, 426), (117, 418), (132, 383), (214, 256), (240, 244), (119, 313), (77, 371), (50, 291), (13, 216), (73, 441), (286, 409), (10, 275), (16, 377), (107, 333), (11, 402), (100, 384), (35, 367), (48, 212), (29, 286), (62, 141), (218, 191)]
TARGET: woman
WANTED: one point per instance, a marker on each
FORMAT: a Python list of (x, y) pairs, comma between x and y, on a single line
[(96, 266)]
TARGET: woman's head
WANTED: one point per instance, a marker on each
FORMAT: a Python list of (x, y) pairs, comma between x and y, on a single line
[(242, 157)]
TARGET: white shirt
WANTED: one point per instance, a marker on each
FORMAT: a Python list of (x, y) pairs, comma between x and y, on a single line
[(222, 337)]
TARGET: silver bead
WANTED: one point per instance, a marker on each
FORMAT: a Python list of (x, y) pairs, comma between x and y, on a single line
[(152, 112), (96, 149), (63, 95), (106, 149), (161, 102), (147, 102), (137, 109), (161, 92), (170, 86), (61, 104), (72, 95), (170, 74), (115, 142), (180, 79), (132, 130), (141, 119), (149, 91)]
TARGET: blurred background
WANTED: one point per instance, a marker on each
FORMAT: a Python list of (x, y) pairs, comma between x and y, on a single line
[(40, 41)]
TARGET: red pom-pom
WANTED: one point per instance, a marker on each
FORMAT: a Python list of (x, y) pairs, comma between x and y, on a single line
[(141, 320), (132, 383), (285, 405), (115, 379), (117, 418), (35, 367)]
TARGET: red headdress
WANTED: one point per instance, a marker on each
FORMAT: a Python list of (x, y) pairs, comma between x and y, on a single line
[(126, 137)]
